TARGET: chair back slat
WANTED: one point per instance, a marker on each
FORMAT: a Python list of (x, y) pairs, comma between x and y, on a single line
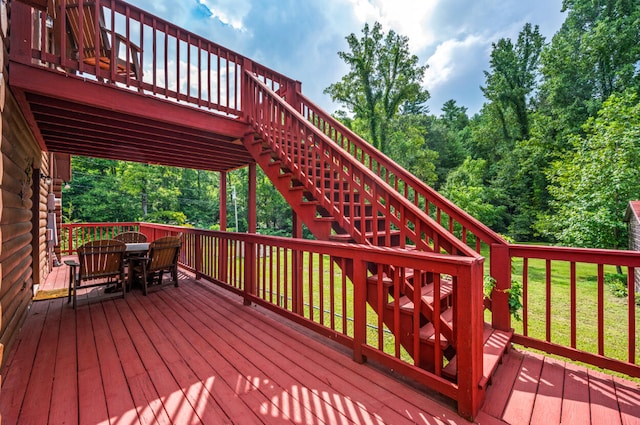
[(163, 253), (101, 259), (88, 28)]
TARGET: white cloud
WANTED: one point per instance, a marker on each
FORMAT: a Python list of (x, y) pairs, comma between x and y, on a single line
[(409, 18), (229, 12), (451, 59)]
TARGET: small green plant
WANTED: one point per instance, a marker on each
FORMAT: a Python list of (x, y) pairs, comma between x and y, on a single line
[(617, 284), (514, 293)]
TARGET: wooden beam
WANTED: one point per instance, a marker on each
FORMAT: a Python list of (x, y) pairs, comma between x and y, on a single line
[(71, 88)]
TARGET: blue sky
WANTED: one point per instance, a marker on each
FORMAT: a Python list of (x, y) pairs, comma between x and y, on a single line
[(301, 38)]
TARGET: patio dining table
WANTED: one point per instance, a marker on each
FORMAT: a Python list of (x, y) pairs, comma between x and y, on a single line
[(133, 253)]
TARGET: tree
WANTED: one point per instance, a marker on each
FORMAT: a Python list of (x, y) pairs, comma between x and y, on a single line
[(466, 187), (513, 76), (593, 55), (384, 80), (592, 186)]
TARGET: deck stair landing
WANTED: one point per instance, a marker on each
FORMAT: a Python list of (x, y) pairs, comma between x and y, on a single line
[(335, 206)]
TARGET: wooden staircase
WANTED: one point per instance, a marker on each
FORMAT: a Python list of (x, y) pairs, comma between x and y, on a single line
[(338, 204)]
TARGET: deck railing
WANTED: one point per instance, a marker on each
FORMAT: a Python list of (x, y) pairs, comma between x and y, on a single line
[(156, 57), (569, 307), (449, 216), (304, 281)]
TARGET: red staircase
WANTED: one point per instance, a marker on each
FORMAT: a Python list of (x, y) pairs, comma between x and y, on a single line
[(340, 199)]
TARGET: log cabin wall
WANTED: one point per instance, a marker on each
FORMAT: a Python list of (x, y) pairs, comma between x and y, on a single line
[(20, 186)]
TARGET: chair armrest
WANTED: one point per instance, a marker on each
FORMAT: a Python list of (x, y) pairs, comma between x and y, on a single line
[(122, 39), (72, 263)]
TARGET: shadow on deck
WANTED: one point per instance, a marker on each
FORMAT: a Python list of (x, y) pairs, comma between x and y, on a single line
[(195, 354)]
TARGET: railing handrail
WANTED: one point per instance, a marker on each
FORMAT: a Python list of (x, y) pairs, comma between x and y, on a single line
[(217, 81), (581, 255), (415, 183), (348, 158)]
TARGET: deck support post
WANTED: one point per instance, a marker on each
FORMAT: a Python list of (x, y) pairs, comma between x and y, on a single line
[(469, 336), (198, 254), (501, 272), (252, 198), (223, 248), (250, 247)]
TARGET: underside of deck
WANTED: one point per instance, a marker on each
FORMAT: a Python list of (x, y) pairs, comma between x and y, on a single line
[(195, 354), (70, 114)]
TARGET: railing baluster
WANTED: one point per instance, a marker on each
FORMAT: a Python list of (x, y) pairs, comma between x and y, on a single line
[(601, 309), (548, 300)]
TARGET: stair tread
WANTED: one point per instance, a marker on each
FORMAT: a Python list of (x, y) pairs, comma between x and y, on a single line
[(496, 343), (427, 331), (446, 289)]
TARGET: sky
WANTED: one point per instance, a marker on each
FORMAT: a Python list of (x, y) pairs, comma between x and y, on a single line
[(301, 38)]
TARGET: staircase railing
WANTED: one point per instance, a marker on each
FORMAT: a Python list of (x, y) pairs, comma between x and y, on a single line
[(305, 150), (452, 218), (446, 213)]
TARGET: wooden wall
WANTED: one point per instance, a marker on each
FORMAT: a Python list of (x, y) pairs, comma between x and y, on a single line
[(21, 193)]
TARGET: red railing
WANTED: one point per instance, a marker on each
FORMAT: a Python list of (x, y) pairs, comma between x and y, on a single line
[(304, 281), (447, 214), (155, 57), (570, 310), (304, 149)]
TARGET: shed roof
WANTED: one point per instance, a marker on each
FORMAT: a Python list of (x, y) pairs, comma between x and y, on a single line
[(633, 211)]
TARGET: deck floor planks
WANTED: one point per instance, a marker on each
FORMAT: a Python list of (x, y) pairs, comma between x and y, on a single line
[(193, 320), (175, 404), (233, 389), (499, 392), (251, 377), (548, 405), (194, 386), (64, 400), (628, 395), (575, 399), (17, 377), (523, 395), (312, 352), (315, 390), (120, 404), (142, 391), (319, 392), (92, 405), (43, 369), (602, 399)]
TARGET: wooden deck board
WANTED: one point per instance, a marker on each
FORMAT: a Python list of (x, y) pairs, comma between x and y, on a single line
[(575, 399), (195, 354), (548, 404), (523, 395)]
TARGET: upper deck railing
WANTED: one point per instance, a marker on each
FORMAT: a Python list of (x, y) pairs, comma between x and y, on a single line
[(153, 56)]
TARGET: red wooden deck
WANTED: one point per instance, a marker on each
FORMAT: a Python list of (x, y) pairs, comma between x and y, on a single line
[(195, 354)]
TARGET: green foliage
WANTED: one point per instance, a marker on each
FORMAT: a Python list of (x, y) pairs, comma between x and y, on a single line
[(593, 55), (514, 71), (384, 80), (514, 293), (592, 185), (617, 284), (466, 187)]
